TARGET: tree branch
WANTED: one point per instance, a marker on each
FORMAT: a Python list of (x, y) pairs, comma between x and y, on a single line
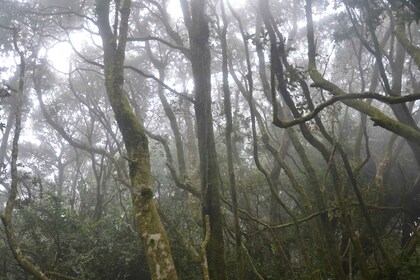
[(153, 38), (151, 76), (386, 99)]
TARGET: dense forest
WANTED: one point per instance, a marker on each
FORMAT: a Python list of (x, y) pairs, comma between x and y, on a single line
[(210, 139)]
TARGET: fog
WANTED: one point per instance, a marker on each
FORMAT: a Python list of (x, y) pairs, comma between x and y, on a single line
[(209, 139)]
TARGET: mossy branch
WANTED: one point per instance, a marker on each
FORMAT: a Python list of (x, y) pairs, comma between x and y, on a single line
[(351, 96), (412, 50)]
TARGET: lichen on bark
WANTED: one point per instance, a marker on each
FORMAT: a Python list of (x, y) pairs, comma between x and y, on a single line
[(147, 221)]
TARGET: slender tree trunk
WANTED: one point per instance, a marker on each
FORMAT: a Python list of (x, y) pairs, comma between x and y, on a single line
[(148, 223), (240, 273), (6, 218), (160, 66), (60, 182), (5, 137), (191, 141)]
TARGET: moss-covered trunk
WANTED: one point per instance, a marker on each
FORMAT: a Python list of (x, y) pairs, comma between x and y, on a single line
[(148, 223)]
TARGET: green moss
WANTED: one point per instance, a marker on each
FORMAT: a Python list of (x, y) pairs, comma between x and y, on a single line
[(147, 193), (378, 118)]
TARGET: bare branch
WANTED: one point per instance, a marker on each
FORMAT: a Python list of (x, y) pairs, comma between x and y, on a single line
[(153, 38), (151, 76)]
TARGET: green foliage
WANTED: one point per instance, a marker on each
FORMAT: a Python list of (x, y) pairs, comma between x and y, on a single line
[(56, 239), (411, 270)]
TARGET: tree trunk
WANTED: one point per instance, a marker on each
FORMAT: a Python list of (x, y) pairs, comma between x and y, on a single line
[(148, 223), (7, 218), (209, 169), (240, 272)]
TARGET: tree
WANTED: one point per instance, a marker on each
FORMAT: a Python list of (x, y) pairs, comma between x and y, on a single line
[(198, 30), (7, 216), (148, 223)]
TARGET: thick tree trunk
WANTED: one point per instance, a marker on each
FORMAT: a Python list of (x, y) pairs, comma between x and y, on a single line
[(148, 223), (209, 169)]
